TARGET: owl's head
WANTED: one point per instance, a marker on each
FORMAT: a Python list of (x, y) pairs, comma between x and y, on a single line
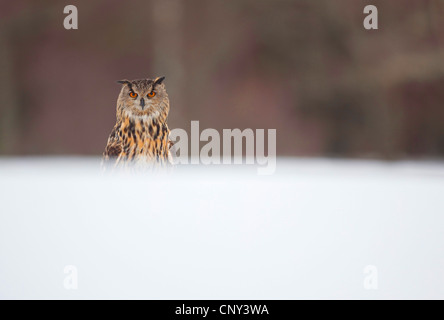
[(143, 98)]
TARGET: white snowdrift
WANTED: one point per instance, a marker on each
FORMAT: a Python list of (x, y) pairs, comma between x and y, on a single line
[(224, 232)]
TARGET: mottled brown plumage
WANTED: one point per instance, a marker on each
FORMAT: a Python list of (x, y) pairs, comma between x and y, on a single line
[(141, 135)]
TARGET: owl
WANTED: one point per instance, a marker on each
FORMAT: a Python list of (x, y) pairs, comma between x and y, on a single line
[(141, 135)]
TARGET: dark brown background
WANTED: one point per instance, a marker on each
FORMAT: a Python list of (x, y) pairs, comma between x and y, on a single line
[(306, 68)]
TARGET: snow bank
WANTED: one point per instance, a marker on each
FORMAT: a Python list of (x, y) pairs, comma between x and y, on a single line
[(224, 232)]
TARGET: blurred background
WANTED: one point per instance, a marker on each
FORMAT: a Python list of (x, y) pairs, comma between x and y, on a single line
[(306, 68)]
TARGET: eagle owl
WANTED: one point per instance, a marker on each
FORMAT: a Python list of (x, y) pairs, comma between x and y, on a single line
[(140, 135)]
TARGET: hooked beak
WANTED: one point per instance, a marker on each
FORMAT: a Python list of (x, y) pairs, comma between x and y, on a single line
[(142, 103)]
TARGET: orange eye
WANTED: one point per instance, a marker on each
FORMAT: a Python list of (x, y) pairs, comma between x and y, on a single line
[(151, 94), (133, 95)]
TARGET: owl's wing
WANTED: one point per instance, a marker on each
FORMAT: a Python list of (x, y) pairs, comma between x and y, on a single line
[(171, 153), (114, 146), (113, 149)]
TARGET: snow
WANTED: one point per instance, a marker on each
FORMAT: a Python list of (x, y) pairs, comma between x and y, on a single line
[(222, 232)]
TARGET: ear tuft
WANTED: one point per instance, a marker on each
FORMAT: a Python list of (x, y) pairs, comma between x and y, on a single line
[(123, 82), (159, 80)]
